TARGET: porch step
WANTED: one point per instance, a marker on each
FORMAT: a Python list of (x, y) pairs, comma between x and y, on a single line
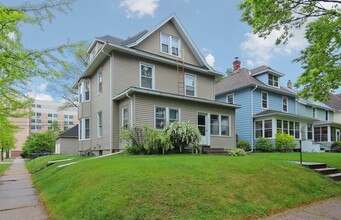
[(335, 176), (322, 169), (214, 151), (314, 165), (327, 171)]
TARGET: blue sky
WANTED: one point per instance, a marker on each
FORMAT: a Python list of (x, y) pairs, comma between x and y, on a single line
[(214, 26)]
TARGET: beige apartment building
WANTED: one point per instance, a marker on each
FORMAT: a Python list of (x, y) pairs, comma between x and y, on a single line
[(43, 115), (153, 78)]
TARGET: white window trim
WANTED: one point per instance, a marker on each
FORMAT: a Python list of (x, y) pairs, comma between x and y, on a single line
[(267, 100), (167, 114), (82, 84), (227, 98), (98, 133), (284, 97), (314, 112), (153, 75), (273, 80), (170, 45), (195, 84), (98, 72), (122, 116), (263, 128), (83, 129), (219, 125)]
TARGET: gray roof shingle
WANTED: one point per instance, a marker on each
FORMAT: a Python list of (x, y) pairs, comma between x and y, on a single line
[(118, 41), (71, 133), (335, 101), (243, 79)]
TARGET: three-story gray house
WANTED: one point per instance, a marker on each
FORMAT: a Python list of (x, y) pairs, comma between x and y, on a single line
[(153, 78)]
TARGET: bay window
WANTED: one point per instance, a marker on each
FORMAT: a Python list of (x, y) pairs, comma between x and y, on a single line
[(84, 129), (84, 91)]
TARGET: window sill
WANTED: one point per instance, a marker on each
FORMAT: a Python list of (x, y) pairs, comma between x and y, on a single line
[(170, 54)]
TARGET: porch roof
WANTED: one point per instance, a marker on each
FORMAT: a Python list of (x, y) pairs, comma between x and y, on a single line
[(278, 113), (328, 123), (132, 90)]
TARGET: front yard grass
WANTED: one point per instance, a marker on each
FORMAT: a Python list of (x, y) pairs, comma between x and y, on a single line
[(3, 168), (182, 186)]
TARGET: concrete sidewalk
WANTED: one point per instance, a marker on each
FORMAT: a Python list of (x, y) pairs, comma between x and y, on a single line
[(18, 198), (327, 210)]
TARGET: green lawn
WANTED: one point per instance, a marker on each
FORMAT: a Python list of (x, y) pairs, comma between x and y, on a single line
[(182, 186), (3, 168)]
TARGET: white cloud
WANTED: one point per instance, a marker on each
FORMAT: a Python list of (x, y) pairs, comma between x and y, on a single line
[(40, 96), (210, 59), (42, 87), (140, 8), (260, 51)]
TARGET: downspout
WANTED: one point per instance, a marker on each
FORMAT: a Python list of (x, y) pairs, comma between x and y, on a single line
[(131, 109), (252, 130), (110, 97)]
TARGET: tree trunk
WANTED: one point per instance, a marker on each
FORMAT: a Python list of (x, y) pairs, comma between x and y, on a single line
[(2, 154)]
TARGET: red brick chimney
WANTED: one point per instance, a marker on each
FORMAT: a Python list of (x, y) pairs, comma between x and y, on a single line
[(236, 64), (289, 84)]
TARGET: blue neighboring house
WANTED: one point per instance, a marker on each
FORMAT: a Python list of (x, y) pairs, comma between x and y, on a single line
[(266, 106)]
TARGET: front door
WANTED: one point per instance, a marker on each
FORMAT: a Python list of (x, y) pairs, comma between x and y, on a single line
[(203, 128), (338, 134)]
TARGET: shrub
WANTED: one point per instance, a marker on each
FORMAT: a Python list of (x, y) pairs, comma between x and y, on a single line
[(236, 152), (134, 140), (284, 142), (183, 135), (264, 145), (336, 146), (39, 143), (244, 144), (155, 141)]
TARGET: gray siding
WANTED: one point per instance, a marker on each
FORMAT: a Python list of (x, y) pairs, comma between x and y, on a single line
[(152, 44), (144, 113), (67, 145)]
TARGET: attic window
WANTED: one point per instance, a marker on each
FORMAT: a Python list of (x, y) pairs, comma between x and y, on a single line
[(170, 45), (273, 80)]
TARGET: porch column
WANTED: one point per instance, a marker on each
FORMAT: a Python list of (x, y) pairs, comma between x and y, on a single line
[(329, 133)]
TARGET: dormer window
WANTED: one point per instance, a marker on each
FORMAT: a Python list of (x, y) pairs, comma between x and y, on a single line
[(170, 45), (273, 80), (92, 54)]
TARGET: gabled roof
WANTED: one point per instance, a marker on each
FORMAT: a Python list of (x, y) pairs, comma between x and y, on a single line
[(184, 35), (242, 79), (335, 101), (71, 133), (263, 69), (310, 102), (274, 113), (133, 41)]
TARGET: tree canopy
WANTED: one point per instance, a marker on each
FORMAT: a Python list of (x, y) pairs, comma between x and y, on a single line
[(19, 64), (321, 60)]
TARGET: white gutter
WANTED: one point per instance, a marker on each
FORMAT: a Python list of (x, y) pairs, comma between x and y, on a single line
[(252, 130), (110, 97)]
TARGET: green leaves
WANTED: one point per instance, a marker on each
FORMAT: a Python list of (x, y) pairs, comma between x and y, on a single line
[(321, 59)]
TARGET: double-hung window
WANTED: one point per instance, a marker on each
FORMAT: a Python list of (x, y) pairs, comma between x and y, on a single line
[(264, 100), (173, 115), (327, 115), (314, 112), (259, 129), (284, 104), (164, 115), (99, 81), (99, 124), (190, 84), (268, 128), (147, 76), (170, 45), (125, 118), (160, 117), (310, 131), (84, 91), (84, 129), (263, 128), (273, 80), (220, 125), (230, 98)]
